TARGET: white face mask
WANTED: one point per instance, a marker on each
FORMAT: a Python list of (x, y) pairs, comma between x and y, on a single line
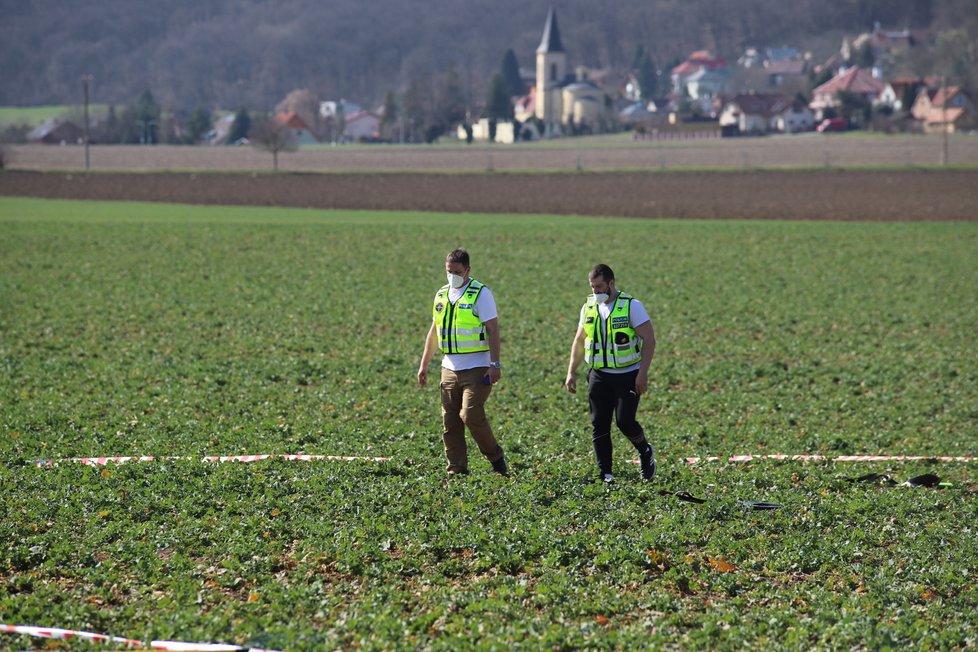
[(600, 298), (455, 280)]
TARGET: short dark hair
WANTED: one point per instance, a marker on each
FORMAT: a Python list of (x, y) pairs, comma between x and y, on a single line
[(459, 255), (603, 271)]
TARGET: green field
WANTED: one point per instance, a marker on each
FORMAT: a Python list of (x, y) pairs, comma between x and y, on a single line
[(35, 115), (130, 329)]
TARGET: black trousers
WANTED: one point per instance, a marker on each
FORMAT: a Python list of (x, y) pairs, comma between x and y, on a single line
[(613, 395)]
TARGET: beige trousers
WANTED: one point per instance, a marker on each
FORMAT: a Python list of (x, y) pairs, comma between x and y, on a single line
[(463, 398)]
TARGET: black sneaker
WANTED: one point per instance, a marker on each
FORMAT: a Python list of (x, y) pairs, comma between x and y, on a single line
[(647, 460), (499, 466)]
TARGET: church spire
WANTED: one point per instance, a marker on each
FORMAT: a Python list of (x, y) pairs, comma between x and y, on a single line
[(551, 35)]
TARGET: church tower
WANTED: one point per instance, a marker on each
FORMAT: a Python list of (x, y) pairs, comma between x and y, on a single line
[(551, 72)]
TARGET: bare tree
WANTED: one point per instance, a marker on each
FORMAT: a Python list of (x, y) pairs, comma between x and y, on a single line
[(270, 135)]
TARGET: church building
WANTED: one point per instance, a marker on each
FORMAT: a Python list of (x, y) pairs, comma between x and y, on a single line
[(564, 101)]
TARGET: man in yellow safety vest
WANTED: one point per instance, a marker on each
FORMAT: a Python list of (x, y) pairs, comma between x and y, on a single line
[(616, 340), (465, 328)]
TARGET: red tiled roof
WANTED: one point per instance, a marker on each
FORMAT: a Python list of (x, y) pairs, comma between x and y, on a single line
[(685, 68), (292, 120), (697, 60), (762, 104), (944, 116), (944, 94), (854, 80)]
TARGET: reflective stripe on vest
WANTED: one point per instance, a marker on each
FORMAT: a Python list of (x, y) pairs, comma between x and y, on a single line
[(617, 345), (459, 329)]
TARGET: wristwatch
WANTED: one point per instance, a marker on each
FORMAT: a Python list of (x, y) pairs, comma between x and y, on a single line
[(495, 364)]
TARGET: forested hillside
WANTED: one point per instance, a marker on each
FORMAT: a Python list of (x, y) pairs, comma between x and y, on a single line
[(251, 53)]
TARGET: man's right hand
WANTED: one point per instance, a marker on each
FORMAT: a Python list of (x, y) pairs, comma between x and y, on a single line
[(422, 376), (571, 383)]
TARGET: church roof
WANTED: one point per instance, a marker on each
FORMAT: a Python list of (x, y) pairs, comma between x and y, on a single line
[(551, 35)]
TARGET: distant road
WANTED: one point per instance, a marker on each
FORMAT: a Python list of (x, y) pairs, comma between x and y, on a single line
[(823, 194)]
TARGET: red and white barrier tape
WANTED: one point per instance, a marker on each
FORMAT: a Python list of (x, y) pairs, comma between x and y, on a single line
[(826, 458), (175, 646), (100, 461)]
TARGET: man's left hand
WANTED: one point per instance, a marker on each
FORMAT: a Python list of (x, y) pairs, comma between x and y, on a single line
[(641, 382), (494, 375)]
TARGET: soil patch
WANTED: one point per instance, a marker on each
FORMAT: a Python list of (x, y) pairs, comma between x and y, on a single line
[(898, 195)]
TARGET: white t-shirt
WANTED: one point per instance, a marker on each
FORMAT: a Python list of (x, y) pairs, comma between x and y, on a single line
[(637, 315), (485, 310)]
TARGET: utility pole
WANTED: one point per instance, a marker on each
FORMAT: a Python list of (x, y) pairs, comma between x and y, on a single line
[(944, 125), (86, 80)]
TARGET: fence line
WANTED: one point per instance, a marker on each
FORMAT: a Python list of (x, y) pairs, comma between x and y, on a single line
[(701, 134)]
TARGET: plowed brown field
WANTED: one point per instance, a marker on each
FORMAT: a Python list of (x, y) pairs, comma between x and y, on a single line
[(813, 195)]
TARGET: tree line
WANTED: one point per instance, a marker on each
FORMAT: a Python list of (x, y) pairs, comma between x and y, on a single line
[(232, 53)]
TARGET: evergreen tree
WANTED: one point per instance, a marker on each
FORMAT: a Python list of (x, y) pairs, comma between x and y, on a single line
[(638, 57), (510, 70), (146, 115), (648, 77), (109, 131), (415, 108), (198, 123), (498, 103), (240, 127), (451, 105), (864, 57), (389, 116)]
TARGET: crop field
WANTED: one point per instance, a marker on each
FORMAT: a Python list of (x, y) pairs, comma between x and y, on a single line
[(133, 329), (617, 152)]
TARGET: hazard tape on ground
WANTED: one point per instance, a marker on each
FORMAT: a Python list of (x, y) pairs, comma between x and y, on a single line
[(101, 461), (826, 458), (71, 634)]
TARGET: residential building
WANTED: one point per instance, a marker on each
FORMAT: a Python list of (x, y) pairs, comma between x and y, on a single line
[(361, 125), (303, 134), (855, 80), (762, 113), (946, 108), (55, 131), (699, 79)]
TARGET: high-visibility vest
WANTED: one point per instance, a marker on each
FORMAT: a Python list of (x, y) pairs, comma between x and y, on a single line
[(617, 345), (459, 329)]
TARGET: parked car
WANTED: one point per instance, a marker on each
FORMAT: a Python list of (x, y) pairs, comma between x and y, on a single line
[(832, 124)]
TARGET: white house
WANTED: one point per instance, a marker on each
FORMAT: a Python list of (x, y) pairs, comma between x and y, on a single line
[(794, 118), (361, 125), (759, 113)]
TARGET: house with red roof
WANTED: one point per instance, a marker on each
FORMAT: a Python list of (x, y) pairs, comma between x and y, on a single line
[(855, 80), (701, 77), (303, 134)]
